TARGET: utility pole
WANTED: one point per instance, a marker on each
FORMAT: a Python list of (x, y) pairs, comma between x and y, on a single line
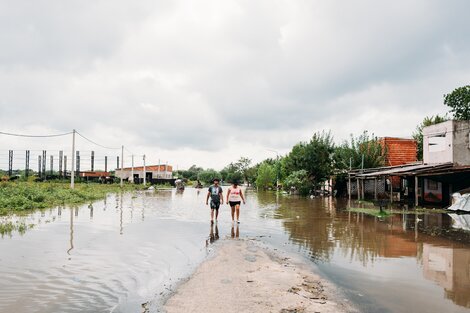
[(10, 163), (349, 179), (132, 169), (158, 170), (277, 168), (144, 171), (72, 173), (27, 164), (122, 165)]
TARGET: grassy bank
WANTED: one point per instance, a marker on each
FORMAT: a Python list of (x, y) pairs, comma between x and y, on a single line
[(387, 212), (16, 197)]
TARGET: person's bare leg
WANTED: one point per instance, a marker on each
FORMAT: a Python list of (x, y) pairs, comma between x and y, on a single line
[(212, 215), (216, 215), (233, 213), (237, 207)]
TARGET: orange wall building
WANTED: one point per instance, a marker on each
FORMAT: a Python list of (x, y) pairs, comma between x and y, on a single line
[(399, 151)]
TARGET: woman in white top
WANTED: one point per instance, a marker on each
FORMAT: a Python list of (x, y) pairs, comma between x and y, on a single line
[(234, 199)]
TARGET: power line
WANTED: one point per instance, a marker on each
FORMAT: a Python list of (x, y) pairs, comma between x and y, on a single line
[(132, 153), (95, 143), (34, 136)]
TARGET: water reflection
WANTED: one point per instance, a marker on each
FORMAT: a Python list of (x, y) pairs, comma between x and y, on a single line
[(71, 232), (450, 269), (213, 236), (331, 234), (235, 231), (107, 269), (390, 260), (461, 221), (90, 206)]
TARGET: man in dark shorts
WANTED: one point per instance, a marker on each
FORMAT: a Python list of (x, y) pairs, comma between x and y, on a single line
[(216, 195)]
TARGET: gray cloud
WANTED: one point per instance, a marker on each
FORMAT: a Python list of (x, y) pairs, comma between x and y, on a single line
[(209, 78)]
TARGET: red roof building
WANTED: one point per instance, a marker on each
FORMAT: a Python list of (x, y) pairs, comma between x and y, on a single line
[(399, 151)]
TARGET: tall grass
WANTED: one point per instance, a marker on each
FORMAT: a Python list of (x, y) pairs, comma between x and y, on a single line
[(16, 197)]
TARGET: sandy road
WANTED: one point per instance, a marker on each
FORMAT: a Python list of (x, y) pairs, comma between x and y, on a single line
[(245, 276)]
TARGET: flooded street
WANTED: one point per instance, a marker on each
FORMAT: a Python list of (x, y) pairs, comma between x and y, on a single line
[(115, 255)]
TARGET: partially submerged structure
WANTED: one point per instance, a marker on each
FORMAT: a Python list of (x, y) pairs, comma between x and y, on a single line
[(445, 169), (398, 152), (156, 174)]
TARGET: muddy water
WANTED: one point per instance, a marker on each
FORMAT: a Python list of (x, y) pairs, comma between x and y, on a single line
[(131, 249)]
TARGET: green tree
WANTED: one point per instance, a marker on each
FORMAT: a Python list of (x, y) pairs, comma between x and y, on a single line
[(243, 166), (459, 102), (363, 147), (208, 175), (314, 156), (231, 172), (266, 176), (418, 133), (191, 173), (298, 180)]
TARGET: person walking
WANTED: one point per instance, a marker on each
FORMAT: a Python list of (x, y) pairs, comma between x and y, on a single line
[(234, 199), (215, 192)]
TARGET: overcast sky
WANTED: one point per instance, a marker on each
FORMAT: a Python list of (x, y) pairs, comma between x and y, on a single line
[(205, 82)]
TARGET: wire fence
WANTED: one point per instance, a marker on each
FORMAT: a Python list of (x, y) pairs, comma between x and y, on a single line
[(58, 161)]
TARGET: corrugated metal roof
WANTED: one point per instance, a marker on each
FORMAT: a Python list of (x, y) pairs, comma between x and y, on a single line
[(412, 169)]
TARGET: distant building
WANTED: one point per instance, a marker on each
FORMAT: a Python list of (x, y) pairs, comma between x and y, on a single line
[(152, 173), (447, 142), (445, 169)]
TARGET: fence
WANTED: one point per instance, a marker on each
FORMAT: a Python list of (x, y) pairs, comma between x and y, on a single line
[(62, 163)]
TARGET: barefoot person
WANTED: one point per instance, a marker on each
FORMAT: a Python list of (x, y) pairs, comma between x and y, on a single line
[(234, 198), (217, 198)]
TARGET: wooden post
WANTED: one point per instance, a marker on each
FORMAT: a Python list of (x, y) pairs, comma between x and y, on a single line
[(416, 191), (391, 189), (375, 188), (349, 186), (358, 193), (363, 192), (145, 171)]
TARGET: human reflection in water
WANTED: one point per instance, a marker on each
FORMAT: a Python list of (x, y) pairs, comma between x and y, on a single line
[(213, 236), (235, 233)]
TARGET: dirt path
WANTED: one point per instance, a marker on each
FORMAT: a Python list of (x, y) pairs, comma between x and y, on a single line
[(243, 276)]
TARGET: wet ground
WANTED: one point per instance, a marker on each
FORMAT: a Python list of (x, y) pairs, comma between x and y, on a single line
[(115, 255)]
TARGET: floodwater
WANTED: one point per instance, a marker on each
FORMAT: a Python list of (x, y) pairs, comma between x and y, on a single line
[(130, 251)]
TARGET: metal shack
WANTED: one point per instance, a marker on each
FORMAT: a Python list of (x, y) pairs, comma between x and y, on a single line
[(398, 152), (445, 169)]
